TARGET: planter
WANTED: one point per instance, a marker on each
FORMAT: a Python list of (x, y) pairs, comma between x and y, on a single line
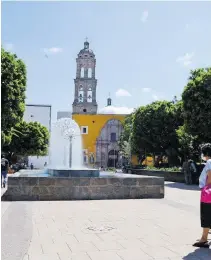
[(168, 175)]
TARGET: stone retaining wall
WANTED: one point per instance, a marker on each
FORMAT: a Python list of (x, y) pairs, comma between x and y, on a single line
[(168, 176), (51, 188)]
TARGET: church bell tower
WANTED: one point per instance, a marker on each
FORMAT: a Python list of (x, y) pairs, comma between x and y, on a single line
[(85, 82)]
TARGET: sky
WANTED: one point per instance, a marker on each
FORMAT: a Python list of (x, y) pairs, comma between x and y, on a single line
[(144, 50)]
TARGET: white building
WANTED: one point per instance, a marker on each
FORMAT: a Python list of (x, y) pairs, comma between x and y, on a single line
[(41, 114)]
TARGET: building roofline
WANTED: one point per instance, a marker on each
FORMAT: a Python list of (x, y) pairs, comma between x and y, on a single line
[(100, 114), (37, 105), (64, 111), (113, 114)]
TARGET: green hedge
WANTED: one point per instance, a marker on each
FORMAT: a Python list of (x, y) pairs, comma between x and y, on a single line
[(172, 169)]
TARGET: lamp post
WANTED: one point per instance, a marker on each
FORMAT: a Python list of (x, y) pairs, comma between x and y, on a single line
[(130, 152), (130, 146), (70, 151), (114, 157)]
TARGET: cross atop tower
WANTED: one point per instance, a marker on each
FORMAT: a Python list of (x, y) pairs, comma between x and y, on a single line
[(86, 43), (109, 100)]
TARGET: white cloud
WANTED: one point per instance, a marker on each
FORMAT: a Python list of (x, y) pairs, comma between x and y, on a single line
[(53, 50), (186, 59), (122, 93), (158, 96), (116, 110), (8, 46), (144, 16), (146, 90), (155, 97)]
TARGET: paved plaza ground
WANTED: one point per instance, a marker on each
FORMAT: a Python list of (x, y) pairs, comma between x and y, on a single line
[(105, 230)]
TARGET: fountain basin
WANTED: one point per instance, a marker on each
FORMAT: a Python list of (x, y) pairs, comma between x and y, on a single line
[(68, 173), (107, 186)]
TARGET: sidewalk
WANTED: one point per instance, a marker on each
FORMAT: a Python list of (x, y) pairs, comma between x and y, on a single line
[(105, 230)]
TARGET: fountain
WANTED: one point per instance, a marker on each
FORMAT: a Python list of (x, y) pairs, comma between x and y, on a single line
[(65, 151), (67, 179)]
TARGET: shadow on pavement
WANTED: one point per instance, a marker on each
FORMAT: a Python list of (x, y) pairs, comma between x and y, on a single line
[(199, 253), (182, 186)]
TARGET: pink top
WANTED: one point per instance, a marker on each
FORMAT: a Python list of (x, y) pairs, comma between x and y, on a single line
[(206, 194)]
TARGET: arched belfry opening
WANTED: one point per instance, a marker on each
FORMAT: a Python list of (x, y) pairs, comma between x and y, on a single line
[(82, 72), (85, 98), (81, 94), (89, 95), (89, 72)]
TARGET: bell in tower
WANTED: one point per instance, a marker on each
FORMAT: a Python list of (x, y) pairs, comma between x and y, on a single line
[(85, 82)]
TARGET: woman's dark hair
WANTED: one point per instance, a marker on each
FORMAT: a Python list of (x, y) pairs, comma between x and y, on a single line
[(206, 149)]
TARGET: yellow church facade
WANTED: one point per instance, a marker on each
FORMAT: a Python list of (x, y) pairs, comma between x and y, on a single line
[(91, 127), (94, 123)]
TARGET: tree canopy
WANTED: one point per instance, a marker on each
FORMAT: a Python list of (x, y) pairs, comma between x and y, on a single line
[(154, 127), (18, 136), (32, 140), (188, 144), (176, 127), (196, 99), (127, 126), (13, 87)]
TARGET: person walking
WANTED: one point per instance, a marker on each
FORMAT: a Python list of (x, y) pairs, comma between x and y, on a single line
[(32, 166), (205, 205), (4, 170)]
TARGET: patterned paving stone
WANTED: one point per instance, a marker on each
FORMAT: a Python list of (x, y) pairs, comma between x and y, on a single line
[(162, 229), (103, 255), (133, 254), (49, 256), (82, 247)]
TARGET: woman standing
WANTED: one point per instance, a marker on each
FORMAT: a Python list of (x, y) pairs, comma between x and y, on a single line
[(205, 186)]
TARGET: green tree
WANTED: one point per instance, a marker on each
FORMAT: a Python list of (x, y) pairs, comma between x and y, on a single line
[(13, 87), (127, 129), (17, 136), (154, 128), (34, 140), (6, 139), (188, 144), (196, 99)]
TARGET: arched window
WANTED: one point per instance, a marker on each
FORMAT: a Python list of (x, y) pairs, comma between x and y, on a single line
[(82, 72), (89, 95), (89, 73), (81, 94)]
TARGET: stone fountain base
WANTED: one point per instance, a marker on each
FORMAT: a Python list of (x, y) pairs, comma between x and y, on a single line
[(113, 186)]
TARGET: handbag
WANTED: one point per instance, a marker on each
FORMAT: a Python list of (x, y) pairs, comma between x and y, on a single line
[(206, 194)]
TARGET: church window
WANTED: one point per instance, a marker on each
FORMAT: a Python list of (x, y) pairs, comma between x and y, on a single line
[(113, 137), (89, 73), (82, 72), (84, 130)]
